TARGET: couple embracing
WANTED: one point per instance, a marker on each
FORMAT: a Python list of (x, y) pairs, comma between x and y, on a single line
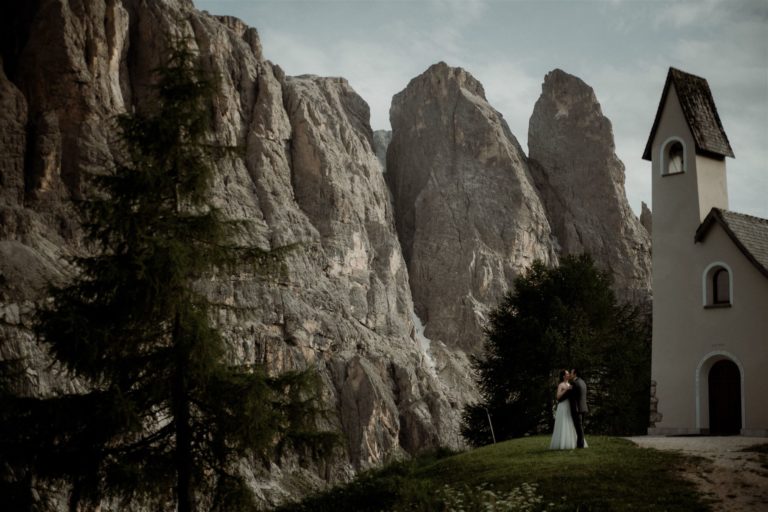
[(569, 415)]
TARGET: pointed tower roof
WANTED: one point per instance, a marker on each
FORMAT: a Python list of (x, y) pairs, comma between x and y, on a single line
[(699, 111)]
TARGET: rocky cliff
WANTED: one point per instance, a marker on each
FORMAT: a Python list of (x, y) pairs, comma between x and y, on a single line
[(646, 218), (466, 208), (472, 210), (307, 176), (437, 238), (581, 181)]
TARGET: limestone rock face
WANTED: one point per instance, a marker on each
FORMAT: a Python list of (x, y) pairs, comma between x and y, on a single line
[(467, 212), (13, 140), (381, 140), (646, 218), (581, 182), (308, 177)]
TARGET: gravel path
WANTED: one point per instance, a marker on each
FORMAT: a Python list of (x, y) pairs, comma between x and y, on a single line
[(736, 480)]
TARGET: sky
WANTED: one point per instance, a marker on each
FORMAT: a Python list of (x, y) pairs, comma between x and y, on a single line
[(621, 48)]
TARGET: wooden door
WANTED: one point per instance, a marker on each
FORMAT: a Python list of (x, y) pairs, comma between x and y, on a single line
[(724, 399)]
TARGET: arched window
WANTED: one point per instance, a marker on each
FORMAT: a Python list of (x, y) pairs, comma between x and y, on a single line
[(673, 157), (721, 283), (718, 286)]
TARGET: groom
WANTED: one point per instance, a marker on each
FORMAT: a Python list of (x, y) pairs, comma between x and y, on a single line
[(578, 399)]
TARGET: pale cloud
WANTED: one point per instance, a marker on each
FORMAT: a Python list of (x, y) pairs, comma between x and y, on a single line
[(443, 42), (462, 11), (511, 90), (698, 14), (296, 55), (365, 60), (686, 13)]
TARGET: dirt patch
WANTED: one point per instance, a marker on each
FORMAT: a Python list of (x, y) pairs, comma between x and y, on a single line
[(734, 479)]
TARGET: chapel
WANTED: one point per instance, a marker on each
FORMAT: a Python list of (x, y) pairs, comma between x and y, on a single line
[(710, 277)]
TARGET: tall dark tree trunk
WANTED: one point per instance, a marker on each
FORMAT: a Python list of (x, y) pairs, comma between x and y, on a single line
[(182, 421)]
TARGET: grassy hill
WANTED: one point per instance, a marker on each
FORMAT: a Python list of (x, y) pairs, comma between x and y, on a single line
[(613, 474)]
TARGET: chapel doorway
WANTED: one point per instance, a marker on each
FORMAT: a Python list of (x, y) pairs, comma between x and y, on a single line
[(724, 399)]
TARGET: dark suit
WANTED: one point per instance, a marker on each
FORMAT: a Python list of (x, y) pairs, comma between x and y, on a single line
[(578, 400)]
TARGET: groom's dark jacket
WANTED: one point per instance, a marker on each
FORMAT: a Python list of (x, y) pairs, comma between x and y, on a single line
[(578, 396)]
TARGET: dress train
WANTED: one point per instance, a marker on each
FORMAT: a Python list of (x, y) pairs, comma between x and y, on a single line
[(564, 435)]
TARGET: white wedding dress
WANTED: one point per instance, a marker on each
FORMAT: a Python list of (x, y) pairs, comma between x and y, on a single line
[(564, 436)]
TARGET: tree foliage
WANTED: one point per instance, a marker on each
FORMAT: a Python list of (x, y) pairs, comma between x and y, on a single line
[(560, 318), (166, 415)]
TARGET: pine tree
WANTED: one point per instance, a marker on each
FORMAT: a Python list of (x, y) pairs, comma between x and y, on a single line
[(557, 318), (164, 409)]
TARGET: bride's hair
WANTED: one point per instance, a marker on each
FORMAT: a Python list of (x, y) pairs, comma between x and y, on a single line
[(562, 375)]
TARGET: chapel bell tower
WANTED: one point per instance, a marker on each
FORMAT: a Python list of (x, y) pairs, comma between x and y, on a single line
[(687, 147)]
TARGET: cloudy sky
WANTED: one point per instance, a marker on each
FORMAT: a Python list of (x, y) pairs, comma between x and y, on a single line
[(622, 48)]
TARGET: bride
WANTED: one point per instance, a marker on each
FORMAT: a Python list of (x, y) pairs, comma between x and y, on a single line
[(564, 435)]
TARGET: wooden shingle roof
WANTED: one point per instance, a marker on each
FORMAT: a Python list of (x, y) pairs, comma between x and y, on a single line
[(750, 234), (699, 111)]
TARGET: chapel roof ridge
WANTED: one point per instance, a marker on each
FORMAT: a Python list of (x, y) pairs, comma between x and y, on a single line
[(748, 232)]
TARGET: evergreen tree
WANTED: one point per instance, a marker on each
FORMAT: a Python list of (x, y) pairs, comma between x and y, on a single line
[(561, 318), (164, 409)]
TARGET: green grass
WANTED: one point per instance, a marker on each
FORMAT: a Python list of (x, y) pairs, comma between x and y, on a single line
[(611, 475)]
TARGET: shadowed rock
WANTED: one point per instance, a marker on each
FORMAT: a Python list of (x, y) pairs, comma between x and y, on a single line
[(581, 181), (307, 176), (467, 213)]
